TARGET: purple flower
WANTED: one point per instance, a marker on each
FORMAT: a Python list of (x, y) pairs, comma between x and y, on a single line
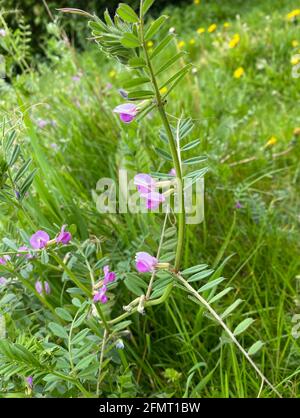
[(172, 172), (144, 183), (42, 123), (153, 199), (100, 296), (127, 112), (39, 240), (39, 287), (76, 78), (238, 205), (4, 259), (24, 248), (109, 276), (29, 381), (64, 237), (47, 288), (120, 344), (3, 281), (2, 32), (145, 262)]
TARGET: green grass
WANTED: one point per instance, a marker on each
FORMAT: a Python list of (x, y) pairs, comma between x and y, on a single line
[(234, 119)]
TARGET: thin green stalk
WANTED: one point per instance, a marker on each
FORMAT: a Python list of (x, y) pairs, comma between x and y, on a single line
[(224, 326), (101, 362), (173, 148), (149, 290)]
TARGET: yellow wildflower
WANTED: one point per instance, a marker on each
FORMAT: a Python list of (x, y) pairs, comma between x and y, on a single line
[(239, 72), (296, 132), (272, 141), (112, 74), (181, 44), (197, 2), (293, 14), (163, 90), (295, 59), (226, 25), (234, 41), (192, 41), (149, 44), (200, 31), (212, 28), (295, 43)]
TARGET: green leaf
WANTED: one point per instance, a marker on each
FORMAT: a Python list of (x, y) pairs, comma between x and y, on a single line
[(137, 62), (11, 244), (200, 276), (44, 257), (255, 348), (146, 6), (194, 269), (190, 145), (80, 336), (243, 326), (231, 308), (22, 170), (154, 27), (195, 160), (220, 295), (135, 284), (14, 156), (164, 154), (184, 128), (169, 63), (127, 13), (108, 19), (129, 40), (176, 77), (140, 95), (135, 82), (161, 46), (58, 330), (209, 285), (85, 362), (64, 314)]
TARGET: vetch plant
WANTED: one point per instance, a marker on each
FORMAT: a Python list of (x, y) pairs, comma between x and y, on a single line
[(125, 38), (84, 335)]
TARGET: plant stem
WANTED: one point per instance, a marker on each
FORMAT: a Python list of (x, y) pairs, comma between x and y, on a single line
[(173, 148), (101, 362), (224, 326), (149, 290)]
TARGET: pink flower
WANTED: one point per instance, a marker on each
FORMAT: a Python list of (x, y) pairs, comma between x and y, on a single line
[(42, 123), (4, 259), (47, 288), (29, 381), (100, 296), (127, 112), (24, 248), (145, 262), (153, 199), (109, 276), (39, 240), (144, 183), (64, 237), (39, 287), (172, 172), (3, 281)]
